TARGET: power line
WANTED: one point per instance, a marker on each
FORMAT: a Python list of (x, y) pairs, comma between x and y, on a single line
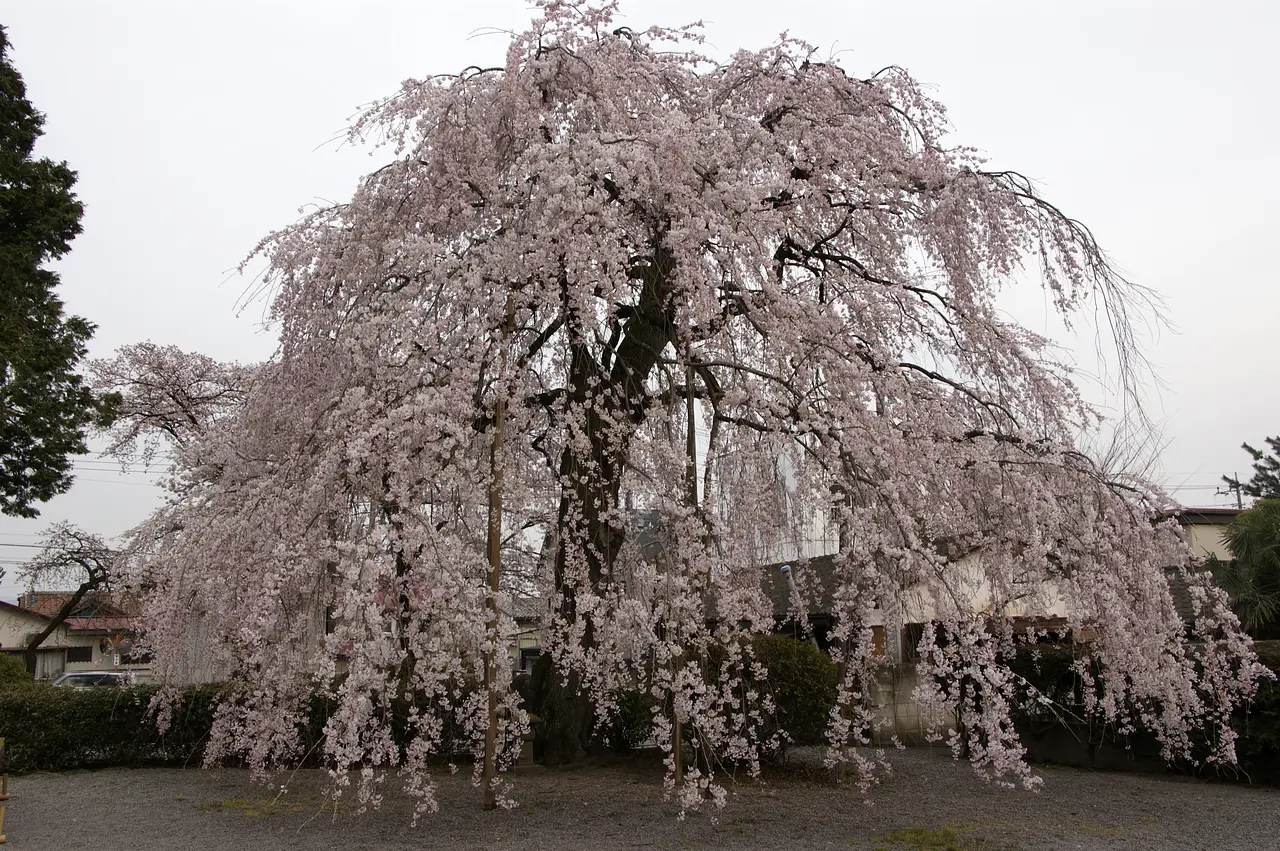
[(88, 455), (116, 468), (118, 482)]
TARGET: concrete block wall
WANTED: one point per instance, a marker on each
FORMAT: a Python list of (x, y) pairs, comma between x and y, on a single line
[(897, 712)]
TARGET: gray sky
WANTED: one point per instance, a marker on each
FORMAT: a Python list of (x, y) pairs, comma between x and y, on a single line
[(197, 128)]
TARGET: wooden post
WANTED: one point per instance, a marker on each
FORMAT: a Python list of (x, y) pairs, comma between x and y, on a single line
[(679, 768), (495, 567), (4, 789), (691, 482), (691, 438)]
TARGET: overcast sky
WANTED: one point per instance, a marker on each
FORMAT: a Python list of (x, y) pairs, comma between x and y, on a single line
[(197, 128)]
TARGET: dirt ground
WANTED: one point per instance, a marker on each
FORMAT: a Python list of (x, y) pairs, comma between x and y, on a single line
[(928, 802)]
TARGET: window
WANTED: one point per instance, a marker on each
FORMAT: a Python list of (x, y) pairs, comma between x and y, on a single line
[(912, 633), (79, 654), (135, 657)]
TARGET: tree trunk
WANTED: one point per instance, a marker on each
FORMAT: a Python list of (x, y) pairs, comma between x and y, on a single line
[(565, 712), (29, 653), (585, 528)]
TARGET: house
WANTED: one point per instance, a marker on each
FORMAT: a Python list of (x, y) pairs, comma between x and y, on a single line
[(201, 661), (897, 631), (1205, 529), (526, 644), (97, 636)]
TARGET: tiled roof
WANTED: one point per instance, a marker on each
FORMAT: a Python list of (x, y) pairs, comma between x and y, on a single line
[(100, 612), (96, 624), (46, 603), (1181, 591), (528, 608), (19, 609)]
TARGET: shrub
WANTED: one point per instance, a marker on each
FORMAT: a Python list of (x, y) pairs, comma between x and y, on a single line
[(631, 726), (57, 729), (1067, 732), (802, 682), (13, 672)]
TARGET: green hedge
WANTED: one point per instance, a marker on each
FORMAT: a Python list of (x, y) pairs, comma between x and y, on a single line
[(55, 729), (1050, 670), (801, 681), (1258, 724)]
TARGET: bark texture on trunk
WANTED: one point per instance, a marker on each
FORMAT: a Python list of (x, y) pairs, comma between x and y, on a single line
[(587, 526)]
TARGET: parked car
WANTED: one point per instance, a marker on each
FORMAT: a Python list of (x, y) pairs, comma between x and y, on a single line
[(95, 679)]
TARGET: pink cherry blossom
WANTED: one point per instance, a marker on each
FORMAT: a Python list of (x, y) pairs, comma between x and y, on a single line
[(787, 260)]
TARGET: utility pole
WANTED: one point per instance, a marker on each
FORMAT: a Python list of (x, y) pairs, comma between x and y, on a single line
[(1233, 486)]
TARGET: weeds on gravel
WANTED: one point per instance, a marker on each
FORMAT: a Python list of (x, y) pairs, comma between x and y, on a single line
[(1102, 832), (947, 838), (260, 808)]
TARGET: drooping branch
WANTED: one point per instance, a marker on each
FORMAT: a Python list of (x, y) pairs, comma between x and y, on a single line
[(810, 266)]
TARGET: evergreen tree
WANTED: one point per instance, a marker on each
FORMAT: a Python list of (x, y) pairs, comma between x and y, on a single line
[(1252, 577), (45, 407)]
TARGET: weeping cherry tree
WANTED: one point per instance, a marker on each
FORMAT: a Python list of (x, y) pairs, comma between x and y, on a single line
[(729, 300)]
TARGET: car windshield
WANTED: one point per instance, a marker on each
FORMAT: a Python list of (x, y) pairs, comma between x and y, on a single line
[(91, 680)]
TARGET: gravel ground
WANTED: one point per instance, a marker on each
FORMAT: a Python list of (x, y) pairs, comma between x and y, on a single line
[(928, 798)]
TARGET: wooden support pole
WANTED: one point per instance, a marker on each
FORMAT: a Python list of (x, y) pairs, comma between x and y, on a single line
[(691, 439), (679, 767), (490, 773), (691, 485), (4, 789)]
